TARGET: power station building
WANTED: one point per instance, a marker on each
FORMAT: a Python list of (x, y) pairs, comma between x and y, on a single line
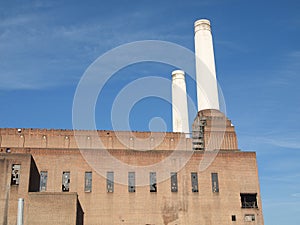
[(184, 177)]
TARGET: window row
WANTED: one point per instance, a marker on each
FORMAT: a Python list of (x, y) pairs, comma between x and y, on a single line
[(248, 200), (247, 218), (131, 181)]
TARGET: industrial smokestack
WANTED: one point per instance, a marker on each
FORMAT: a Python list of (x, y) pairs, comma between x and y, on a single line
[(207, 90), (20, 211), (179, 103)]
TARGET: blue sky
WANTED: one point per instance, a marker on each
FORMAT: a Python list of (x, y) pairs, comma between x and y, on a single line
[(45, 47)]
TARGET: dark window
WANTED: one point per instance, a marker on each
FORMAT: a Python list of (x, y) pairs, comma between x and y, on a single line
[(153, 187), (66, 181), (15, 174), (249, 217), (88, 182), (233, 218), (43, 180), (215, 182), (110, 181), (174, 187), (198, 134), (194, 178), (249, 200), (131, 182)]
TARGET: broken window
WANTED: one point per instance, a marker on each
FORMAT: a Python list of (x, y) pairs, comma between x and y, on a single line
[(131, 182), (43, 180), (249, 217), (249, 200), (110, 181), (174, 187), (215, 182), (88, 182), (15, 174), (198, 134), (153, 187), (66, 181), (194, 178)]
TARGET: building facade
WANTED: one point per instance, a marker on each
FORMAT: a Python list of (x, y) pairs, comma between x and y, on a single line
[(76, 177), (60, 185)]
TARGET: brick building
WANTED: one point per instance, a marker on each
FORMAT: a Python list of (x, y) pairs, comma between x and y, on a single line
[(60, 185), (78, 177)]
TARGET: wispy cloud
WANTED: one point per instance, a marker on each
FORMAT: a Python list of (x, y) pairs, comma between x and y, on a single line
[(285, 143), (276, 137), (37, 53), (232, 46), (210, 2), (287, 204), (283, 178), (287, 140), (288, 70), (296, 195), (16, 21)]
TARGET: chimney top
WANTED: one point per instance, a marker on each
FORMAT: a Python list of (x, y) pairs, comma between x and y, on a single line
[(178, 74), (203, 24)]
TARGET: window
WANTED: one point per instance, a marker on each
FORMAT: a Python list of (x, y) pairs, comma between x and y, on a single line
[(194, 178), (131, 182), (88, 182), (66, 181), (153, 187), (174, 187), (110, 181), (249, 217), (198, 134), (248, 200), (43, 180), (215, 182), (233, 218), (15, 174)]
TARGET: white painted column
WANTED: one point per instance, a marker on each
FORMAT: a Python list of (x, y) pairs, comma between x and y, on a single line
[(20, 211), (179, 103), (207, 90)]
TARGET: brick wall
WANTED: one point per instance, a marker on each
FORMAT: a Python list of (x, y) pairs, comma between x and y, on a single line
[(237, 173)]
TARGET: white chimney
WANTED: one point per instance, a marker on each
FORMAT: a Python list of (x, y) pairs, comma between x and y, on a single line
[(207, 90), (179, 103)]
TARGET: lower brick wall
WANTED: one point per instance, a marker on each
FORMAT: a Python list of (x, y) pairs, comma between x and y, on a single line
[(51, 208)]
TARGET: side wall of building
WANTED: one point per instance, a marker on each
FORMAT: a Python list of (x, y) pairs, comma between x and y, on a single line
[(237, 174), (39, 208), (50, 208), (11, 192)]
